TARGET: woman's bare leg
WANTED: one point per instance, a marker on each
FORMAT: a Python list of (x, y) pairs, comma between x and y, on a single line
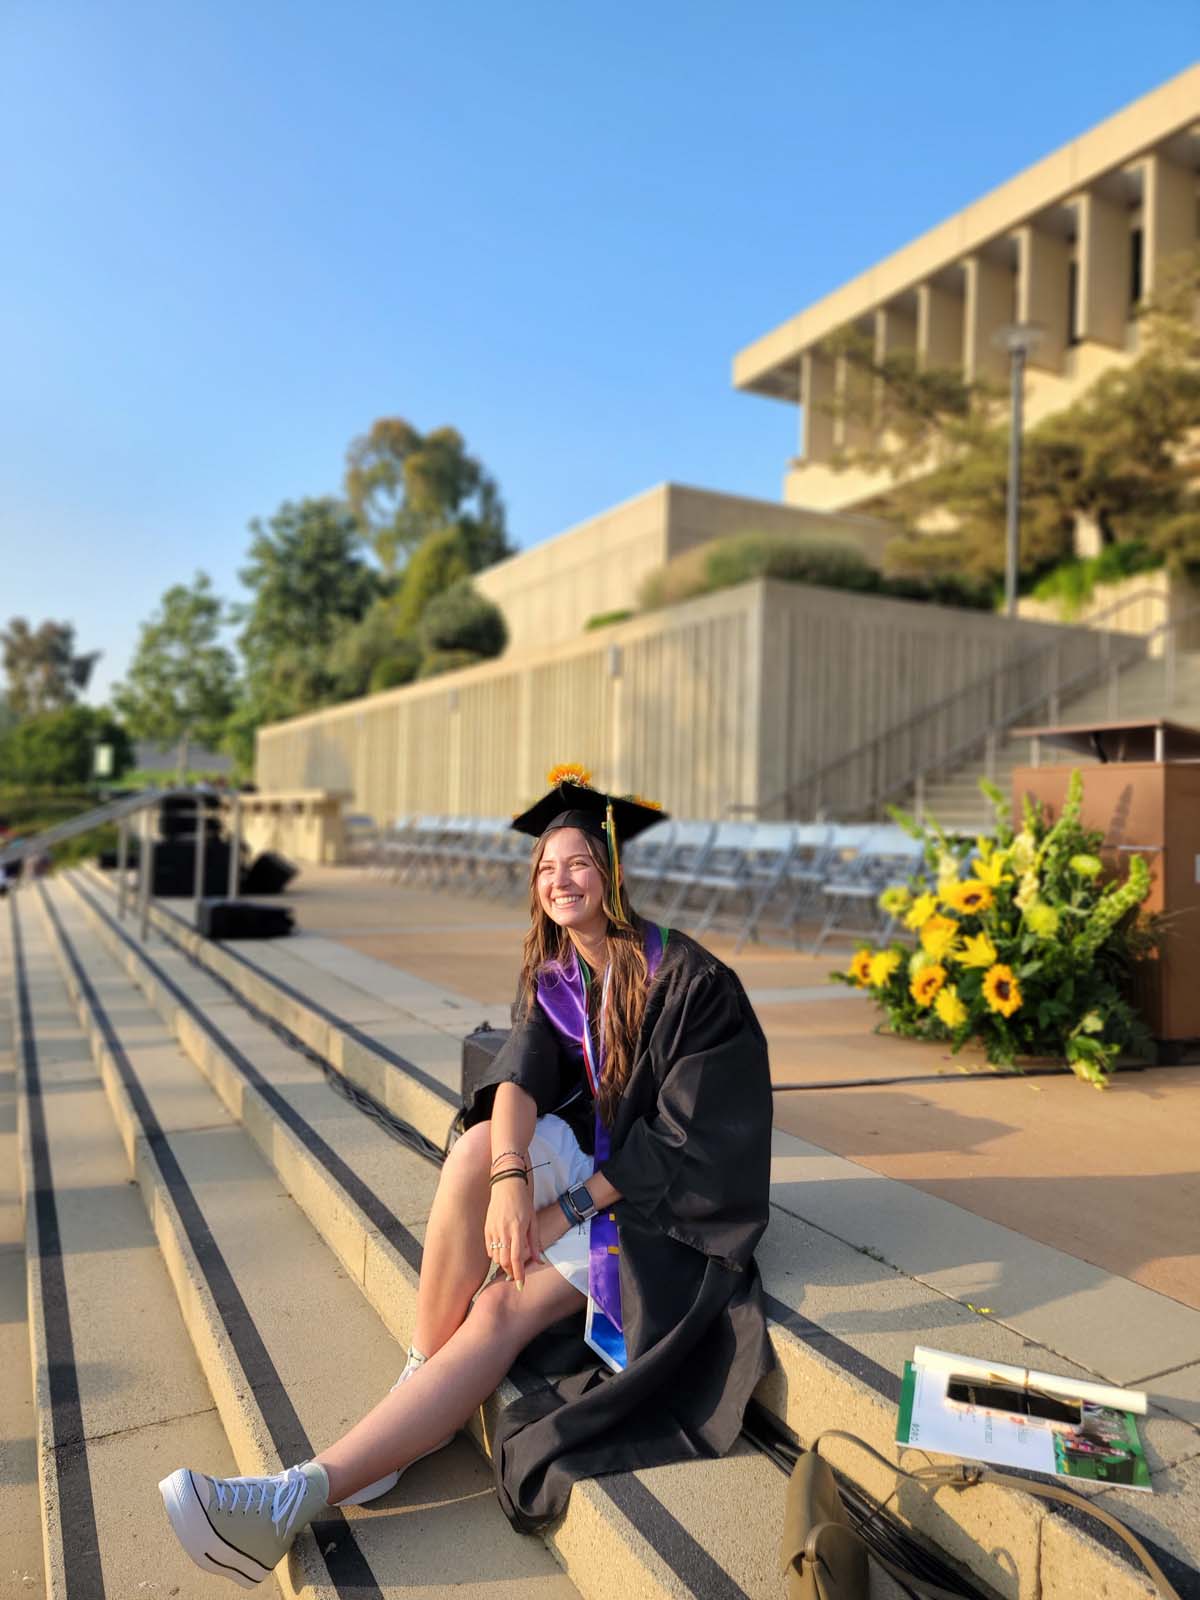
[(441, 1395), (455, 1259)]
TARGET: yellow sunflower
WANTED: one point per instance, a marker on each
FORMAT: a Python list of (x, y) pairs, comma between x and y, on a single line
[(1001, 990), (921, 910), (970, 897), (950, 1008), (926, 984), (939, 936), (860, 967), (978, 951), (569, 772), (883, 964)]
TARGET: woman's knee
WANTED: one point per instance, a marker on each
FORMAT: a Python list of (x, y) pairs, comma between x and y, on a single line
[(496, 1312)]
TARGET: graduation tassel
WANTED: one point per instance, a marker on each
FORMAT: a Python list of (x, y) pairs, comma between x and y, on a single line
[(614, 862)]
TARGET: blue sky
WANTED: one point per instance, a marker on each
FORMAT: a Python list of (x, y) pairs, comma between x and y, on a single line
[(234, 235)]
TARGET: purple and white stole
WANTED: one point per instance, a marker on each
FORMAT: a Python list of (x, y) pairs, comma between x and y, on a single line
[(562, 994)]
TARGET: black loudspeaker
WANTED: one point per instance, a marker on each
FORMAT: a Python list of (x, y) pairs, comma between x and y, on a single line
[(107, 859), (177, 816), (240, 919), (269, 873), (175, 868)]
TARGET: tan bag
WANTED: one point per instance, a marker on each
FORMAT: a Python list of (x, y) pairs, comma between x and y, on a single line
[(825, 1558)]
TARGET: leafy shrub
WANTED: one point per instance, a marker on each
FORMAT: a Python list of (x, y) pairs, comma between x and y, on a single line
[(835, 566), (461, 619), (438, 661), (1023, 943), (605, 619), (400, 667), (739, 559), (1072, 583)]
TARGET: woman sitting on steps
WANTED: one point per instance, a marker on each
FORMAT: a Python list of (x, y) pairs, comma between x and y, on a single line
[(615, 1169)]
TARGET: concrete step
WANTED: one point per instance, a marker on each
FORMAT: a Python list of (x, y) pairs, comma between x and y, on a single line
[(291, 1350), (119, 1395), (368, 1199), (842, 1322)]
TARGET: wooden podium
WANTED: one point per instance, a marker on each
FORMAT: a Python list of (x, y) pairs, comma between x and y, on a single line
[(1144, 796)]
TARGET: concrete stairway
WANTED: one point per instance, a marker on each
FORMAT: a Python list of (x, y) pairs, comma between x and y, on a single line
[(276, 1279), (956, 801)]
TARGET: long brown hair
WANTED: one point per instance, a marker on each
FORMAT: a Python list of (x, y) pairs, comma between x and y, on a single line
[(627, 983)]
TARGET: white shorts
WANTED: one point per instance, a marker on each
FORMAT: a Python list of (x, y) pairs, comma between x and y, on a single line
[(558, 1163)]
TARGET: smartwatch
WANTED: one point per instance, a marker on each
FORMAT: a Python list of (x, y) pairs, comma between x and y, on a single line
[(581, 1202)]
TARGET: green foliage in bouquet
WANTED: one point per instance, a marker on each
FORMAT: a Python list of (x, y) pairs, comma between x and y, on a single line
[(1021, 943)]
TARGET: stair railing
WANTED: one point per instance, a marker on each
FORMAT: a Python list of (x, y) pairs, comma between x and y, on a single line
[(128, 809), (904, 756)]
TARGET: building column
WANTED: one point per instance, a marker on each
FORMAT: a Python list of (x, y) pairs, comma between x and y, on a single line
[(895, 334), (816, 396), (990, 304), (939, 327), (851, 385), (1044, 293), (1168, 216), (1102, 309)]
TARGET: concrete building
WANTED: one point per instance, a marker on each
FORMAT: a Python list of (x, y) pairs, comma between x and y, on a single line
[(548, 593), (1072, 243)]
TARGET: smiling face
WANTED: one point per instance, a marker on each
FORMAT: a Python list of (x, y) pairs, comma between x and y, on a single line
[(569, 884)]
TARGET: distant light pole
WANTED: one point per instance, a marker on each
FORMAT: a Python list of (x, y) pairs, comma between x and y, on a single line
[(1018, 338)]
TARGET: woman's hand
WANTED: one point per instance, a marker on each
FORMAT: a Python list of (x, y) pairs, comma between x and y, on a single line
[(510, 1221)]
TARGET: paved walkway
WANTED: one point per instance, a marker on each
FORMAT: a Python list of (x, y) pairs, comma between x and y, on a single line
[(1109, 1179)]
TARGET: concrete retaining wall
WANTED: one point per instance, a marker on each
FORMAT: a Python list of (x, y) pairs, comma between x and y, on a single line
[(720, 703)]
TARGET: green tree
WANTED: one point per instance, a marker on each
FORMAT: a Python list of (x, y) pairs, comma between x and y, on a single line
[(54, 749), (403, 485), (41, 667), (180, 685), (373, 653), (308, 580), (438, 562)]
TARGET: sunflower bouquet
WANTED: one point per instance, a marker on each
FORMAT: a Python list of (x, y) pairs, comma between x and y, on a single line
[(1021, 943)]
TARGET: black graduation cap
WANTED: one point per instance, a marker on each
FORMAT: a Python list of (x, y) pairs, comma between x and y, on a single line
[(613, 819)]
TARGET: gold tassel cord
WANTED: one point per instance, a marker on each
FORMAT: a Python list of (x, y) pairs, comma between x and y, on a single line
[(614, 861)]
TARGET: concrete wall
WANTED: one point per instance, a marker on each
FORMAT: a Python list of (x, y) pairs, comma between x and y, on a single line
[(718, 704), (548, 593), (658, 705)]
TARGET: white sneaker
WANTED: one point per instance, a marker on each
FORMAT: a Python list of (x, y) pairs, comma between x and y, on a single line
[(240, 1528), (388, 1482)]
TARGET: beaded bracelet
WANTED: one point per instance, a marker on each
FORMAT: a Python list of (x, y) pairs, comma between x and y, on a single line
[(509, 1172), (518, 1153)]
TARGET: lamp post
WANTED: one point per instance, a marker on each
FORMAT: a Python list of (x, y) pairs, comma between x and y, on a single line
[(1018, 338)]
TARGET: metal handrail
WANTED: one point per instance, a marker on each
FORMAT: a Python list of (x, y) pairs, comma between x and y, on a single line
[(915, 777), (121, 812), (867, 749), (113, 811), (1072, 686)]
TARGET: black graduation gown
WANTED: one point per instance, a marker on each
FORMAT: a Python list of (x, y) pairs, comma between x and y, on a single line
[(691, 1159)]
